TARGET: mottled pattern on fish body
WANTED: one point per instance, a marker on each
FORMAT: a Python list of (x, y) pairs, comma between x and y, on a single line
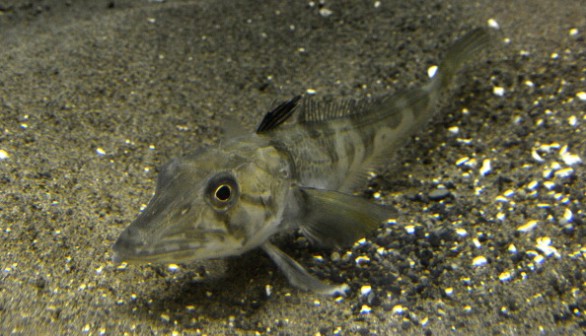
[(335, 150), (227, 199)]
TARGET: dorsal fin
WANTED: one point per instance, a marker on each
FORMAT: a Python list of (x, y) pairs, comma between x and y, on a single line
[(278, 116), (320, 110)]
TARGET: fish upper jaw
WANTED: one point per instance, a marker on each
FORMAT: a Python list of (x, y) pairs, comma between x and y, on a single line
[(132, 247), (127, 246)]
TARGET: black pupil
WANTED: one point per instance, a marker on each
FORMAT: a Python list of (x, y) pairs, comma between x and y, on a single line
[(223, 193)]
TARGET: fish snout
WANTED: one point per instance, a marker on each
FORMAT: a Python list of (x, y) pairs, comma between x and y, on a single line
[(127, 245)]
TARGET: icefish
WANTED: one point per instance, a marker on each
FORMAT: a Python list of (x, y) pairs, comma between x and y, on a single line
[(225, 200)]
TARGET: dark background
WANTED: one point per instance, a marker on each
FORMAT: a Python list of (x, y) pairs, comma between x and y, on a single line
[(94, 95)]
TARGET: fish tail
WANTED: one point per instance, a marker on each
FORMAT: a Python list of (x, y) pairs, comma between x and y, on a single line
[(461, 51)]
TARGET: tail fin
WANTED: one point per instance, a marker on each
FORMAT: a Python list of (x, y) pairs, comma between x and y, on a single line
[(461, 51)]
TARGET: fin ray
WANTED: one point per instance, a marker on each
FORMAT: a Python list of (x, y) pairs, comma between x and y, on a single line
[(278, 115), (335, 219)]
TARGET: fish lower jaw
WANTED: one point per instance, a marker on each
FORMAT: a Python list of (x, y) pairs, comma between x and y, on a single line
[(182, 256)]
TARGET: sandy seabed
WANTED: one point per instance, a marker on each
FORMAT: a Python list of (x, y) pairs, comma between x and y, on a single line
[(95, 95)]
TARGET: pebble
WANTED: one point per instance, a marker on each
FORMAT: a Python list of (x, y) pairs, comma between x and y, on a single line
[(479, 261), (492, 23), (325, 12), (527, 227), (431, 71), (438, 194), (505, 276), (365, 290), (365, 310), (498, 91), (398, 310), (486, 167)]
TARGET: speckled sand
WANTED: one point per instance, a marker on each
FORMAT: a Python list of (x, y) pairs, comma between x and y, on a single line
[(95, 95)]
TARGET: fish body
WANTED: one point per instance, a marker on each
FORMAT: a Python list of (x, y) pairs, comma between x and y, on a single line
[(225, 200)]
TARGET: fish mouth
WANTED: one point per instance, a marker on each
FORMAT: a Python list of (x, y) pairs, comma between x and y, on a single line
[(175, 249), (169, 252), (138, 246)]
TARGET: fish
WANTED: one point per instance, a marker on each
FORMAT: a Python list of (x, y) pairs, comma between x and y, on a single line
[(225, 200)]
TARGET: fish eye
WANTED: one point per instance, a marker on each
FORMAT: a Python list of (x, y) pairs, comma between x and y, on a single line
[(222, 191)]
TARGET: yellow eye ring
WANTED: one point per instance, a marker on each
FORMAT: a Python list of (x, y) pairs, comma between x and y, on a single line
[(222, 191)]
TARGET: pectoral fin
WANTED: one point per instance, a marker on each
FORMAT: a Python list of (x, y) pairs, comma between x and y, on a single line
[(298, 276), (334, 219)]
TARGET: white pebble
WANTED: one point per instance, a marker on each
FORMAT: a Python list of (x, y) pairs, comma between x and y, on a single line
[(512, 249), (501, 199), (362, 260), (100, 151), (568, 215), (539, 259), (464, 141), (544, 245), (461, 232), (493, 24), (365, 310), (498, 91), (530, 225), (486, 167), (549, 147), (564, 173), (549, 185), (581, 95), (325, 12), (547, 173), (461, 161), (533, 185), (398, 310), (505, 276), (471, 163), (573, 32), (479, 261), (536, 156), (365, 290), (431, 71), (572, 121), (476, 243), (569, 158), (4, 154)]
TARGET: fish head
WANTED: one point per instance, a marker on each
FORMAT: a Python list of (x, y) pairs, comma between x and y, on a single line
[(216, 202)]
